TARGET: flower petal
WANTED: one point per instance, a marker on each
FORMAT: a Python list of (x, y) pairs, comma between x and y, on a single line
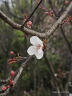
[(39, 54), (35, 41), (39, 50), (31, 50)]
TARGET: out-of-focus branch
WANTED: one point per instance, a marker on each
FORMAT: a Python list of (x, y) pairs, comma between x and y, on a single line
[(69, 47), (32, 32), (52, 7), (57, 14), (11, 13), (62, 31), (46, 55), (58, 22), (55, 80), (61, 9), (67, 42)]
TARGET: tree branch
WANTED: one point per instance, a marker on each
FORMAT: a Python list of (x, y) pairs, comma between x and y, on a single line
[(55, 80), (32, 13), (32, 32), (59, 21), (20, 70), (68, 44)]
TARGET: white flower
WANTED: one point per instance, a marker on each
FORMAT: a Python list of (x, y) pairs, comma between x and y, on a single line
[(55, 75), (36, 48)]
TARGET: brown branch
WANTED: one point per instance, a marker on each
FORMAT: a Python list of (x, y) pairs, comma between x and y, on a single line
[(18, 26), (70, 50), (32, 13), (20, 70), (59, 21), (67, 41), (62, 8), (55, 80), (68, 44), (69, 79), (32, 32)]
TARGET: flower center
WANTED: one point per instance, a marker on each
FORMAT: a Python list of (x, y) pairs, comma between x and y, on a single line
[(38, 46)]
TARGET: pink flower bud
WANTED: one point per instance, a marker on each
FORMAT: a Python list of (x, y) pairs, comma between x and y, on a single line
[(48, 13), (29, 23), (4, 88), (11, 52), (11, 82), (8, 86), (12, 73)]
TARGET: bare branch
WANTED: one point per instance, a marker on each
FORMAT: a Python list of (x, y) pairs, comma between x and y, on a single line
[(32, 13), (55, 80), (18, 26), (58, 22), (32, 32), (68, 44), (20, 70)]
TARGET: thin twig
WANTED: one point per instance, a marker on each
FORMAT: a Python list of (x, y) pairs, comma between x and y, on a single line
[(68, 44), (32, 13)]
